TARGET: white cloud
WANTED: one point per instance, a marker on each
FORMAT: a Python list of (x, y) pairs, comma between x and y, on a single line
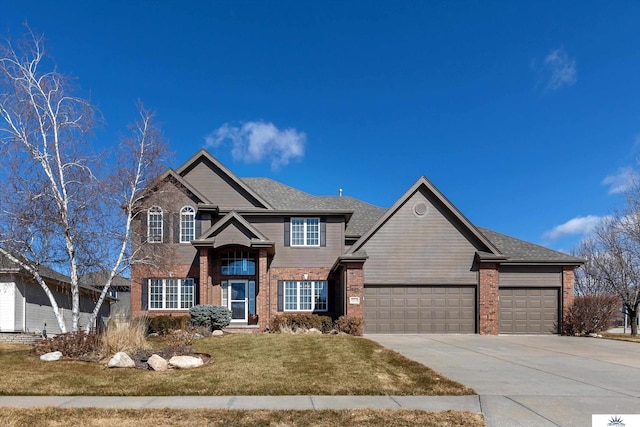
[(621, 181), (253, 142), (577, 225), (560, 69)]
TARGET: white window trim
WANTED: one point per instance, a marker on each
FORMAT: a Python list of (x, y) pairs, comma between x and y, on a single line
[(313, 295), (190, 212), (155, 210), (164, 293), (304, 231)]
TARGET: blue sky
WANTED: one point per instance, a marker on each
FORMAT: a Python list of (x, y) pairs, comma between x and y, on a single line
[(526, 115)]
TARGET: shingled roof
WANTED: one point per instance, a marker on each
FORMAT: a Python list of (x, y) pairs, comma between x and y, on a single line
[(284, 197), (517, 250), (365, 215)]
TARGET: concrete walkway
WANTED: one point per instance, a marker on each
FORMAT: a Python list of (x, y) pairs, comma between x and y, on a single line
[(426, 403), (533, 380)]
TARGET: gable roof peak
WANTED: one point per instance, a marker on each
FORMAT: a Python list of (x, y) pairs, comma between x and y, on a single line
[(423, 182), (203, 153)]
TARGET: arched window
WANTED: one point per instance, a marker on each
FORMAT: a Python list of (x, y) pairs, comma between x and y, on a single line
[(187, 224), (154, 225)]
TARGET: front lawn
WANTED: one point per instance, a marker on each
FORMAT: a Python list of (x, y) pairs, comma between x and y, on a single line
[(620, 337), (242, 364), (38, 417)]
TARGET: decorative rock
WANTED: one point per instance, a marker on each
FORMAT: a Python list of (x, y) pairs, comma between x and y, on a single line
[(51, 357), (157, 363), (121, 360), (217, 333), (314, 331), (185, 362)]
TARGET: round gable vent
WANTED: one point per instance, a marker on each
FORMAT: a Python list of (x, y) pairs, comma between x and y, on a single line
[(420, 209)]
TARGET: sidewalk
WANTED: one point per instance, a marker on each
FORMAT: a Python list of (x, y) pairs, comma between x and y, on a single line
[(426, 403)]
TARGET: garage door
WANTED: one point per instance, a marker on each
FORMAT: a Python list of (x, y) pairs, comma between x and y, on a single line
[(528, 310), (419, 309)]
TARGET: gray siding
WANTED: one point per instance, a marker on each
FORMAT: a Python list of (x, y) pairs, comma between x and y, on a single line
[(233, 233), (530, 276), (19, 306), (39, 311), (217, 187), (411, 249), (286, 256)]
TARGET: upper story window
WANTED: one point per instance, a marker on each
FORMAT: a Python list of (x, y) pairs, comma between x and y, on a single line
[(305, 231), (237, 263), (187, 224), (154, 225)]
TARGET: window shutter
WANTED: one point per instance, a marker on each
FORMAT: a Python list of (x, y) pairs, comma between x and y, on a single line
[(145, 295), (280, 295), (323, 231), (143, 227), (224, 300), (198, 231), (196, 291), (176, 228), (287, 231), (165, 228)]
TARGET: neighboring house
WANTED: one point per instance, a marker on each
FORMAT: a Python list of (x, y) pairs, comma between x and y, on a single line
[(119, 291), (24, 307), (261, 248)]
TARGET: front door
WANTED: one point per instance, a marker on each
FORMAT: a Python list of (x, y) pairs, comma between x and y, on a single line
[(238, 301)]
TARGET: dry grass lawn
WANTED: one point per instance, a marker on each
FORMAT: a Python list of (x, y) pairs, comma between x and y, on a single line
[(242, 364), (620, 337), (57, 417)]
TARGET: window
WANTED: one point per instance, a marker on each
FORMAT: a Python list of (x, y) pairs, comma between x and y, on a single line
[(154, 225), (305, 296), (171, 294), (187, 224), (305, 231), (238, 263)]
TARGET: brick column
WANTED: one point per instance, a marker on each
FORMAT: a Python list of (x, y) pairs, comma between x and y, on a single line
[(488, 299), (204, 275), (567, 287), (355, 288), (262, 289)]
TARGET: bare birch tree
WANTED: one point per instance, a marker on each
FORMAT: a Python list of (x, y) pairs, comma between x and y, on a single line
[(59, 210)]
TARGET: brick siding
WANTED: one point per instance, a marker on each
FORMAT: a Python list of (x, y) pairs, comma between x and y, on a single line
[(488, 295)]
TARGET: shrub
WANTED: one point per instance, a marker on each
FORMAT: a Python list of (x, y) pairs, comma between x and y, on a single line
[(297, 321), (212, 316), (590, 314), (76, 345), (162, 325), (349, 325), (127, 336)]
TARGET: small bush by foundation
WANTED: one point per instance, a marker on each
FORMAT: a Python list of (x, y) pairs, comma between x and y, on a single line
[(590, 314), (212, 316), (349, 325)]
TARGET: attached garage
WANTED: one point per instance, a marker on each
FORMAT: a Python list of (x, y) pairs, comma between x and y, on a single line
[(529, 310), (419, 309)]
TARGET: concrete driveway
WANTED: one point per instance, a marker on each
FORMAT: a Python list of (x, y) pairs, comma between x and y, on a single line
[(533, 380)]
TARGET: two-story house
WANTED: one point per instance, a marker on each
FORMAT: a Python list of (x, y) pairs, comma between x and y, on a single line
[(261, 248)]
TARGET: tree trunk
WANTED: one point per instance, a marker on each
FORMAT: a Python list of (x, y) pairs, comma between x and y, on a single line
[(632, 312)]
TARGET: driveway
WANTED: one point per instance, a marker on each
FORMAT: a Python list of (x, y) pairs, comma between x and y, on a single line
[(533, 380)]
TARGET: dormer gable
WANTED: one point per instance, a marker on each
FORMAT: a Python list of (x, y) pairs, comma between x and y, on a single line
[(218, 184)]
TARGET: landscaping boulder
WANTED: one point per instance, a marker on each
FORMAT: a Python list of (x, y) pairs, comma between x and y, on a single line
[(121, 360), (314, 331), (157, 363), (217, 333), (51, 357), (185, 362)]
